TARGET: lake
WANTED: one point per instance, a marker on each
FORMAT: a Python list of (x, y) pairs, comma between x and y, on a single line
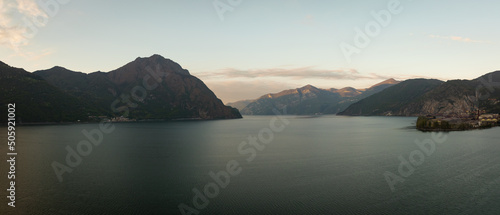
[(257, 165)]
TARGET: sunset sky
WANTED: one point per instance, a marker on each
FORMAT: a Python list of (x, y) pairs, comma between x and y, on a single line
[(245, 50)]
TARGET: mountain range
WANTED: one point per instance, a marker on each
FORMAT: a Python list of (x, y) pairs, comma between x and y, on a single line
[(36, 100), (416, 97), (156, 88), (309, 100), (413, 97), (149, 88)]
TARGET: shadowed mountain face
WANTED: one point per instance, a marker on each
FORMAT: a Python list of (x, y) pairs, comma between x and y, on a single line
[(95, 88), (310, 100), (488, 92), (147, 88), (36, 100), (174, 92), (391, 99), (432, 97)]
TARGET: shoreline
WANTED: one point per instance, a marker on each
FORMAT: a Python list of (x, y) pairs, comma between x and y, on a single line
[(432, 123), (130, 121), (450, 130)]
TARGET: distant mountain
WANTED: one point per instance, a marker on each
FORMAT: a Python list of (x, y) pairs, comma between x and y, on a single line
[(433, 97), (304, 100), (388, 82), (310, 100), (240, 104), (347, 91), (38, 101), (145, 89)]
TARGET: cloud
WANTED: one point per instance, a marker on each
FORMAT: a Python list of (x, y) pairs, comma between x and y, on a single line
[(233, 85), (293, 73), (458, 39), (30, 8), (13, 17)]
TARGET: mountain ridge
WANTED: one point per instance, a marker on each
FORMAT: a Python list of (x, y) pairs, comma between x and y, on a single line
[(458, 98), (309, 99), (148, 88), (36, 100)]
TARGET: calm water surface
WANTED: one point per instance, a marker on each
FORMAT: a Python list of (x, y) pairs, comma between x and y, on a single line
[(318, 165)]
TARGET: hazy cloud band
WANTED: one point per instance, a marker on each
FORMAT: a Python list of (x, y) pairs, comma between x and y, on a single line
[(294, 73)]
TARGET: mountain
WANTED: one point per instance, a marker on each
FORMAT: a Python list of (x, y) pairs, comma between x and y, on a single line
[(36, 100), (304, 100), (458, 97), (144, 89), (347, 91), (388, 82), (433, 97), (489, 89), (364, 93), (390, 100), (178, 94), (94, 88), (310, 100), (240, 104)]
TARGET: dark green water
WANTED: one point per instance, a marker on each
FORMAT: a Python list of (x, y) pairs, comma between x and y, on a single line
[(321, 165)]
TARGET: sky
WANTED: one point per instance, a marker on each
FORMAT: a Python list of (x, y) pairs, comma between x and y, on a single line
[(243, 49)]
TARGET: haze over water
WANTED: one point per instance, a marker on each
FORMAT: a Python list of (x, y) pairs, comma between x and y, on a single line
[(317, 165)]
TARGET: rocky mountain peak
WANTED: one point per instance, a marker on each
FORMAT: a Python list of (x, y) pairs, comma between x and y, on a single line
[(308, 87), (157, 60), (141, 67)]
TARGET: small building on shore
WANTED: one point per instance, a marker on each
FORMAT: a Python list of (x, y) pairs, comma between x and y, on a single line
[(488, 120), (488, 116)]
